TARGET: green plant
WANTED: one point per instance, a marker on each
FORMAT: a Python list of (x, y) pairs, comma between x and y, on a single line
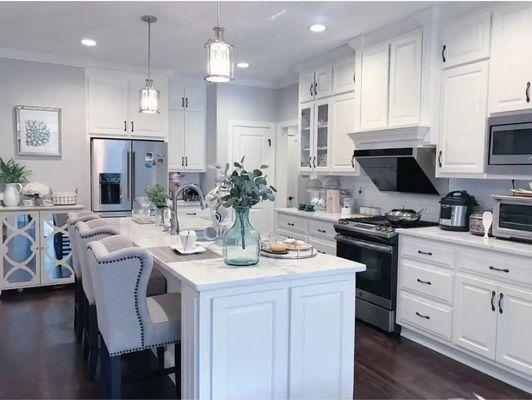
[(157, 195), (13, 172)]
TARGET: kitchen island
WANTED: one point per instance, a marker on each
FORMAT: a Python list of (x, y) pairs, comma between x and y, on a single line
[(281, 329)]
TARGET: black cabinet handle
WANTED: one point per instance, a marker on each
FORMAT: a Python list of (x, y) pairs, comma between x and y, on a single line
[(354, 78), (321, 252), (424, 282), (186, 102), (182, 102), (125, 126), (493, 300), (439, 158), (191, 213), (425, 253), (422, 316), (186, 161), (182, 161), (312, 94), (499, 269), (290, 224), (443, 53), (527, 92), (314, 161), (310, 162), (322, 231), (316, 88), (500, 303), (353, 160), (132, 126)]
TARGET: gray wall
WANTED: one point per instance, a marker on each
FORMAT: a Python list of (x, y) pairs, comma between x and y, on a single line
[(48, 85), (287, 103)]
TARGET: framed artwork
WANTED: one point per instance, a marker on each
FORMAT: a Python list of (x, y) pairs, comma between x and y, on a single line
[(38, 131)]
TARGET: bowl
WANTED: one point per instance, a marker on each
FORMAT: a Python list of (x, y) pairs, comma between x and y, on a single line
[(309, 207), (301, 206)]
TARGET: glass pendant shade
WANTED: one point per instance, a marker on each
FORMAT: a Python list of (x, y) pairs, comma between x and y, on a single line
[(149, 99), (219, 59)]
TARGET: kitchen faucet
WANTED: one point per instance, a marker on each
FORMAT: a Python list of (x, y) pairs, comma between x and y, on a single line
[(174, 222)]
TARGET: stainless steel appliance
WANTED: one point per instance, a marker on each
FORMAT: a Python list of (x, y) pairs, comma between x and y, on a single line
[(455, 209), (512, 217), (510, 144), (476, 227), (122, 169), (373, 241)]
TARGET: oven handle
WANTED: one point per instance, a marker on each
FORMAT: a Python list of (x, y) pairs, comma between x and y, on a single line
[(365, 245)]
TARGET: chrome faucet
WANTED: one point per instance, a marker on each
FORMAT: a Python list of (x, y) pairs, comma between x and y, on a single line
[(174, 222)]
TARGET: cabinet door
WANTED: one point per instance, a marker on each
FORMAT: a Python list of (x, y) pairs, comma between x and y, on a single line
[(322, 328), (194, 140), (510, 74), (56, 253), (250, 346), (142, 124), (466, 39), (475, 315), (176, 98), (19, 250), (306, 86), (306, 137), (107, 105), (322, 119), (195, 97), (323, 81), (344, 75), (405, 80), (176, 140), (513, 329), (374, 87), (461, 147), (343, 121)]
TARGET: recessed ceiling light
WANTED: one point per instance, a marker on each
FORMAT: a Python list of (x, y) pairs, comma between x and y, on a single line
[(242, 65), (88, 42), (317, 28)]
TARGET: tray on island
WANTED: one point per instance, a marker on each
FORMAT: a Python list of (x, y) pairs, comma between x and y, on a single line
[(290, 254)]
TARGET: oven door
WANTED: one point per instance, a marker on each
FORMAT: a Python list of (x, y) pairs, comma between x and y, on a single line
[(377, 284), (513, 219), (511, 144)]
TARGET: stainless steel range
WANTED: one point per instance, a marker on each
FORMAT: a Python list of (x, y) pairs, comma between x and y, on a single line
[(373, 241)]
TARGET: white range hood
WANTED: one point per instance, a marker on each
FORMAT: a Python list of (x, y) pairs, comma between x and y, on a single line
[(409, 136)]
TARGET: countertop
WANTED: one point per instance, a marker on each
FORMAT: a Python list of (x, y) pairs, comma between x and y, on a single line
[(42, 208), (466, 239), (319, 215), (214, 274)]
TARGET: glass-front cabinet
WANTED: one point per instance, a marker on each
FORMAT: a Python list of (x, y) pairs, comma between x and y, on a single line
[(321, 156), (314, 135), (306, 137)]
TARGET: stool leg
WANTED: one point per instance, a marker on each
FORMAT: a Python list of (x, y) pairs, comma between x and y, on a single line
[(86, 328), (104, 368), (78, 311), (177, 357), (93, 342), (160, 357), (115, 377)]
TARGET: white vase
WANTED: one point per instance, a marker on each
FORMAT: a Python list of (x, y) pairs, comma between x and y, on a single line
[(12, 194)]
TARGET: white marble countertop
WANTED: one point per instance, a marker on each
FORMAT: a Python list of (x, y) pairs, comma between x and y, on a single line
[(467, 239), (42, 208), (319, 215), (214, 274)]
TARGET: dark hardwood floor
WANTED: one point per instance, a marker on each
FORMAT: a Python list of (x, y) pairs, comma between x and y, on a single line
[(40, 359)]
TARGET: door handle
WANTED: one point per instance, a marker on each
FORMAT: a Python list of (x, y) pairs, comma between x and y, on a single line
[(316, 88), (128, 180), (527, 92), (125, 126), (493, 300), (289, 224), (354, 78), (439, 158), (500, 303), (314, 161), (422, 316), (132, 127), (424, 282), (443, 53), (186, 102), (310, 162), (499, 269), (425, 253), (133, 188), (312, 94), (186, 161), (182, 161), (182, 102), (322, 231)]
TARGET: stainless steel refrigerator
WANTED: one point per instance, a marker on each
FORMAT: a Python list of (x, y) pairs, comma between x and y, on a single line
[(122, 169)]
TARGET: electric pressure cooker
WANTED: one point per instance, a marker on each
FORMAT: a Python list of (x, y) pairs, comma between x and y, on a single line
[(455, 209)]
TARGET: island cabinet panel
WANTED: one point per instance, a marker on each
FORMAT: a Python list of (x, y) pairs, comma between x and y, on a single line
[(250, 345), (321, 341)]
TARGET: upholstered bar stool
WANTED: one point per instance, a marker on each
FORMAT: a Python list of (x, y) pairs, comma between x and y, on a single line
[(129, 321), (72, 219)]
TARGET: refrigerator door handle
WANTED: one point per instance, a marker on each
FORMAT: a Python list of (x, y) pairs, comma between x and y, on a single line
[(133, 154), (128, 173)]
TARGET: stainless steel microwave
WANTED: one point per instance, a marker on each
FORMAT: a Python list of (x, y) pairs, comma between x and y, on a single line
[(512, 217), (510, 144)]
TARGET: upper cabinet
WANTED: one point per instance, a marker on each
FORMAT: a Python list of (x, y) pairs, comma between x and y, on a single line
[(315, 84), (344, 77), (113, 105), (343, 121), (511, 57), (466, 39)]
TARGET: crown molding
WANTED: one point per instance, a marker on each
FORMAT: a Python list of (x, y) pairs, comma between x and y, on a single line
[(324, 58)]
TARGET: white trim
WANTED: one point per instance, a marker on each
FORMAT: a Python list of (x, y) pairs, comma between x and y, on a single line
[(279, 136)]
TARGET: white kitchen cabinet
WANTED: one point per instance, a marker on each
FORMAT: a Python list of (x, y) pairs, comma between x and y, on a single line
[(315, 84), (475, 315), (186, 141), (462, 137), (343, 75), (405, 80), (187, 96), (511, 57), (343, 122), (374, 86), (306, 86), (306, 136), (466, 39), (314, 139)]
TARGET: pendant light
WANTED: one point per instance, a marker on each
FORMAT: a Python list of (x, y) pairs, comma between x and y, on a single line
[(219, 55), (148, 95)]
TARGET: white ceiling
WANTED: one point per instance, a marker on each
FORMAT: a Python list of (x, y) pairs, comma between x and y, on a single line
[(271, 36)]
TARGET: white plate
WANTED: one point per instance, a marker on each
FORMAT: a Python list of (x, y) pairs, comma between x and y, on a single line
[(195, 250)]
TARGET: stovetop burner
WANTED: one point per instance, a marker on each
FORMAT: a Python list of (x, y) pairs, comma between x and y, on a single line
[(379, 225)]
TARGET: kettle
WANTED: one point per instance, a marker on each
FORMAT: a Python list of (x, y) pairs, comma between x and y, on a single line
[(455, 209)]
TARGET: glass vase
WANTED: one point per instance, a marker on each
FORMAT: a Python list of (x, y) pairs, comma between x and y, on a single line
[(241, 243)]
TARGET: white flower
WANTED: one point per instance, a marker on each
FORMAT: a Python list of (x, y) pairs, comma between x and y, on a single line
[(36, 189)]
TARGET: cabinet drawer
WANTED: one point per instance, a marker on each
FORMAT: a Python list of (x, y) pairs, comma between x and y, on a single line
[(427, 250), (321, 229), (292, 223), (427, 280), (284, 234), (496, 265), (323, 246), (432, 317)]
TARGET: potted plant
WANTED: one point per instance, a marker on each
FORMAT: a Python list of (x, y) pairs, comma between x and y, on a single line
[(242, 190), (37, 191), (12, 175), (158, 197)]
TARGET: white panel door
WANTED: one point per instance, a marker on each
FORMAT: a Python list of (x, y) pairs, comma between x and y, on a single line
[(194, 140), (322, 334), (511, 56), (250, 346), (306, 86), (343, 121), (466, 39), (142, 124), (475, 315), (514, 325), (255, 140), (344, 75), (374, 87), (405, 80), (464, 91), (323, 81), (176, 140), (195, 97), (108, 105)]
